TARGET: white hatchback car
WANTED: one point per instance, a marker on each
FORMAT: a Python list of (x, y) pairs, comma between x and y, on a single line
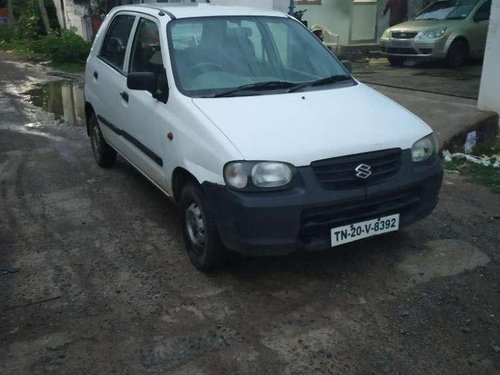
[(260, 135)]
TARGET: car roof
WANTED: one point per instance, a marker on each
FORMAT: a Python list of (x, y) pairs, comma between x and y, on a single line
[(188, 10)]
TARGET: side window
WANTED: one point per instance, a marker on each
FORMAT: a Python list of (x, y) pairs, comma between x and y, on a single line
[(483, 13), (115, 42), (146, 51), (279, 31), (186, 35), (291, 50), (295, 49), (254, 39)]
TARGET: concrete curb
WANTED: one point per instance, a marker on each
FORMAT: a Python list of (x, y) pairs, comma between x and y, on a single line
[(486, 125), (450, 117)]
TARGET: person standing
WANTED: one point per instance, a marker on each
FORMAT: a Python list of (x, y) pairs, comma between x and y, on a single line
[(398, 11)]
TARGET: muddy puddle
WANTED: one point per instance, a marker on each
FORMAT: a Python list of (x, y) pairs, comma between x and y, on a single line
[(62, 98)]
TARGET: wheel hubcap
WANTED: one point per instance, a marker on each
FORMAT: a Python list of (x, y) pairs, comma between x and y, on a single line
[(457, 56), (195, 225)]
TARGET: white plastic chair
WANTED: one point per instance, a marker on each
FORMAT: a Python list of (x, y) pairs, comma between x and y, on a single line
[(330, 39)]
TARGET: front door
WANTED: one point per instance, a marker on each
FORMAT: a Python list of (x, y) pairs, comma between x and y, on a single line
[(144, 128)]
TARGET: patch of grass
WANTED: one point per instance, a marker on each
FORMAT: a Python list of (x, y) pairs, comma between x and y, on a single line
[(481, 174), (76, 67), (65, 50)]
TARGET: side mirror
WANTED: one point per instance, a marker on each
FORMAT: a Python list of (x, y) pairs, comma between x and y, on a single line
[(148, 81), (142, 81), (347, 64)]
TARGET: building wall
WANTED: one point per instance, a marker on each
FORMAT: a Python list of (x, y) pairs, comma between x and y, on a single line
[(334, 14), (489, 93), (263, 4), (281, 5), (72, 16)]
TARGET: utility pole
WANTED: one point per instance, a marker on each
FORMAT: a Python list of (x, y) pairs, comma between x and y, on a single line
[(45, 17), (291, 7)]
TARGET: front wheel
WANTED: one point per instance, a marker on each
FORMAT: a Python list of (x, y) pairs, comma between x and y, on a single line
[(104, 154), (457, 54), (396, 60), (204, 247)]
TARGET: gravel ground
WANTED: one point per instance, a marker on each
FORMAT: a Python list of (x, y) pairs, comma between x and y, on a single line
[(101, 283)]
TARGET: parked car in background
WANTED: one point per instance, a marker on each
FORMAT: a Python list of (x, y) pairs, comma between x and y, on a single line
[(255, 129), (454, 30)]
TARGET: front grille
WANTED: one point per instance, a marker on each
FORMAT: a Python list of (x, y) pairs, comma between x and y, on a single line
[(316, 222), (402, 51), (403, 35), (340, 173), (426, 51)]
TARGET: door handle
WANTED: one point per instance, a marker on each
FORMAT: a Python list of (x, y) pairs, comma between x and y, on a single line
[(96, 75), (124, 96)]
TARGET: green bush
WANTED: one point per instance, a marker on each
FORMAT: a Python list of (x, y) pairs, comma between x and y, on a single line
[(60, 47), (7, 33), (28, 26), (65, 46)]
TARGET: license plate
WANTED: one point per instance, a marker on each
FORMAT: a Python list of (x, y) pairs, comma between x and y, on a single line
[(400, 43), (364, 229)]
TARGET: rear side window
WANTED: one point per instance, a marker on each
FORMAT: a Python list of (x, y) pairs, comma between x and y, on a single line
[(483, 13), (116, 40)]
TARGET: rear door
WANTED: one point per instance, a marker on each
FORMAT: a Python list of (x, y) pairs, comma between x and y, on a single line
[(108, 79)]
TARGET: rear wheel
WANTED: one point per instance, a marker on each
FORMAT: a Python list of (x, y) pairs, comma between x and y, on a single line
[(457, 54), (396, 60), (104, 154), (203, 244)]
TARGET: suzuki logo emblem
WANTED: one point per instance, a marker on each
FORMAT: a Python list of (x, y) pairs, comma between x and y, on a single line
[(363, 171)]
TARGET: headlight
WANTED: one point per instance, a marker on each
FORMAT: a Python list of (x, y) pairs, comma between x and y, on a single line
[(269, 175), (431, 34), (386, 34), (236, 175), (253, 175), (424, 148)]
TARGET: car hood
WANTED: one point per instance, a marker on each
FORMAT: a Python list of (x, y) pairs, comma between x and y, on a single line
[(306, 126), (424, 25)]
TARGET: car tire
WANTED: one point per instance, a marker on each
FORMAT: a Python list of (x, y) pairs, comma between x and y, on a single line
[(396, 60), (203, 244), (458, 53), (104, 154)]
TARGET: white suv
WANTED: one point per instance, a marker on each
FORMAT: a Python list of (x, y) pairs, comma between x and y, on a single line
[(260, 135)]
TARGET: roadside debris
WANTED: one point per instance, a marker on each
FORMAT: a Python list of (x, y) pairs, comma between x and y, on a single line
[(486, 160), (470, 142), (5, 271), (31, 303)]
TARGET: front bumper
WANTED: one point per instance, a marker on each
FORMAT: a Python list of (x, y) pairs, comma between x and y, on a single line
[(435, 49), (281, 222)]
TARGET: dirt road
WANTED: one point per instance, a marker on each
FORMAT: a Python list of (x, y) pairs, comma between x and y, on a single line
[(101, 283)]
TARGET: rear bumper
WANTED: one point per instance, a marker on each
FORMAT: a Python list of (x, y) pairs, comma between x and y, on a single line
[(281, 222)]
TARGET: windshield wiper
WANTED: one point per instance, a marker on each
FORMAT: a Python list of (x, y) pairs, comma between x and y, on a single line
[(256, 86), (320, 82)]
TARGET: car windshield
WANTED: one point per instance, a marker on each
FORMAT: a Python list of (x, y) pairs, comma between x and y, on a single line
[(233, 56), (447, 10)]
